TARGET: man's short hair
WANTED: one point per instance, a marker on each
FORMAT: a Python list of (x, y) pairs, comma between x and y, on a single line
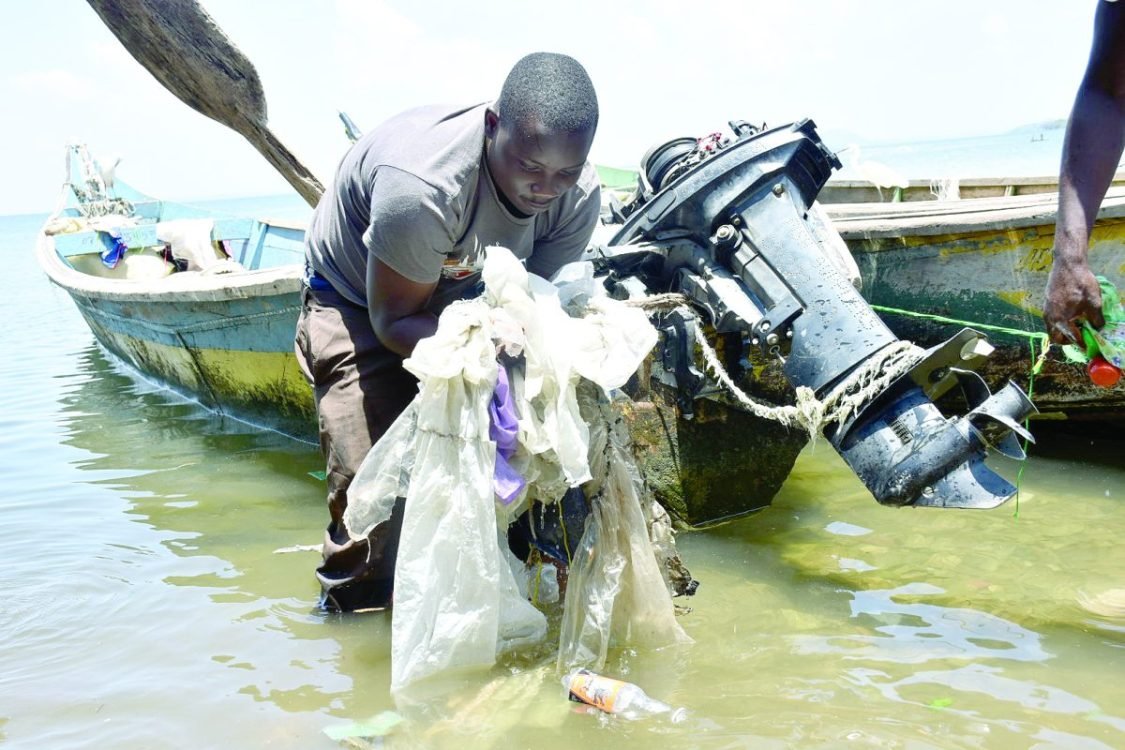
[(550, 88)]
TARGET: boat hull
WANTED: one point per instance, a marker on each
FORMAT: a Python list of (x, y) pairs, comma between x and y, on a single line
[(234, 356), (214, 322), (722, 464), (983, 264)]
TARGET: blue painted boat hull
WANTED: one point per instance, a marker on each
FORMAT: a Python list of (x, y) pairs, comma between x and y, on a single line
[(224, 339)]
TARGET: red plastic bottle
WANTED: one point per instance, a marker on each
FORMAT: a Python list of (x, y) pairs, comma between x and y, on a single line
[(1102, 372)]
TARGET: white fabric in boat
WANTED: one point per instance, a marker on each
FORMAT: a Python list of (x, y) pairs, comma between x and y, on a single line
[(190, 240)]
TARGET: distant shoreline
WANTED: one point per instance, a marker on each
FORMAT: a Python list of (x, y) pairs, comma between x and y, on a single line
[(1016, 152)]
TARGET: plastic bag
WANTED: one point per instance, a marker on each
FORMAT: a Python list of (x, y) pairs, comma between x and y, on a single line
[(383, 477), (616, 593), (457, 602), (605, 344), (1109, 341)]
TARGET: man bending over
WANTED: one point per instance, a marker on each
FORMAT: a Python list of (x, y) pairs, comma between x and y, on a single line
[(399, 234)]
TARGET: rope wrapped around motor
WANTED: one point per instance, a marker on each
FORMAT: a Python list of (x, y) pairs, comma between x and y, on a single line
[(809, 413)]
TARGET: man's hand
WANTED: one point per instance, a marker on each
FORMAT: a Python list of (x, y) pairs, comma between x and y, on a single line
[(1073, 295), (1092, 148)]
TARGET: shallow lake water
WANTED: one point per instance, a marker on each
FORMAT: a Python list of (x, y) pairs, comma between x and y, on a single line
[(146, 603)]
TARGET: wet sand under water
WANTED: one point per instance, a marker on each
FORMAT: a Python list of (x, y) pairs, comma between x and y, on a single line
[(146, 606)]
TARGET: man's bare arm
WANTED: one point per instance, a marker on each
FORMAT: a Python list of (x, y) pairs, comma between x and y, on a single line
[(1095, 137), (397, 307)]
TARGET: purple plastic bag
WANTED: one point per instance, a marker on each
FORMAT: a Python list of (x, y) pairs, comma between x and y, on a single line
[(503, 428)]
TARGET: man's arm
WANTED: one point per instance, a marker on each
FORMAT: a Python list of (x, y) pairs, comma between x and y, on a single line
[(1092, 148), (407, 239), (396, 305)]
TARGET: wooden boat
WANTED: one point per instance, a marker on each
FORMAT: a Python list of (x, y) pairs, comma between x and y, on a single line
[(864, 191), (931, 267), (223, 335)]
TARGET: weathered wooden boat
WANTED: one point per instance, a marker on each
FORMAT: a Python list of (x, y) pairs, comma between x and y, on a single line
[(222, 335), (930, 267), (864, 191)]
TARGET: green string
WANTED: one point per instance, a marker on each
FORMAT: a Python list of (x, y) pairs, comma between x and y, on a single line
[(1037, 361), (1033, 335), (566, 542), (1037, 365)]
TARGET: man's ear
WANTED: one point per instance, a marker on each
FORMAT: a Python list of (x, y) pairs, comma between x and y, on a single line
[(491, 122)]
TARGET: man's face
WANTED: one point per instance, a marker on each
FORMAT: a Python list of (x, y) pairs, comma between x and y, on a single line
[(531, 166)]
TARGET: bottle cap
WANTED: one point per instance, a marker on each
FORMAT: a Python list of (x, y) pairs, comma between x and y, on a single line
[(1102, 373)]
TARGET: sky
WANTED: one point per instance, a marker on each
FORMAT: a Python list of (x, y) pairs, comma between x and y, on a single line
[(874, 71)]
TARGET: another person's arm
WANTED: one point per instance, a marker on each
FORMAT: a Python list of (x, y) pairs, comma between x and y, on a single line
[(1095, 137)]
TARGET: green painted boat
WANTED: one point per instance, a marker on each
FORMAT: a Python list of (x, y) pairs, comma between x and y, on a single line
[(931, 267), (222, 335)]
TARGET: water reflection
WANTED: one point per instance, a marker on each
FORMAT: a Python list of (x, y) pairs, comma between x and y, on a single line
[(823, 621), (872, 595), (914, 632), (201, 593), (977, 685)]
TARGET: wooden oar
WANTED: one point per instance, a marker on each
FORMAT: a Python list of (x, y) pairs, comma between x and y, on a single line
[(186, 51)]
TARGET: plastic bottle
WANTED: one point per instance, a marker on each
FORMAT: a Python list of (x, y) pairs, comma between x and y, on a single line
[(617, 697), (1102, 372)]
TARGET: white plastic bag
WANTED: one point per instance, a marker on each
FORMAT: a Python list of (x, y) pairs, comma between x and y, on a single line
[(616, 593), (383, 477), (456, 601)]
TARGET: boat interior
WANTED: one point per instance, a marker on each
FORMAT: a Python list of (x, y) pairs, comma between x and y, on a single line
[(107, 229)]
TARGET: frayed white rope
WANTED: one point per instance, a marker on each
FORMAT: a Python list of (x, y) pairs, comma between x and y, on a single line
[(809, 413), (787, 416)]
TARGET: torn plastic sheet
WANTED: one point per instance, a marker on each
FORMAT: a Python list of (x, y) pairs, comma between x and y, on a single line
[(457, 600), (616, 592)]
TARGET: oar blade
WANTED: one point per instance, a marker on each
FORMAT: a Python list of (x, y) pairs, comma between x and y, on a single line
[(179, 43), (182, 47)]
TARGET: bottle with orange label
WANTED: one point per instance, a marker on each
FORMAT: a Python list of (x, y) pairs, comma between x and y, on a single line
[(617, 697)]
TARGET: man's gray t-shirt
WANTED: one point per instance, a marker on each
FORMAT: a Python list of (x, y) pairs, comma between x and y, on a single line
[(416, 194)]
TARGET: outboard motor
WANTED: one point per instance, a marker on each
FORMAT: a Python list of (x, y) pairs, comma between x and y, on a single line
[(730, 223)]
